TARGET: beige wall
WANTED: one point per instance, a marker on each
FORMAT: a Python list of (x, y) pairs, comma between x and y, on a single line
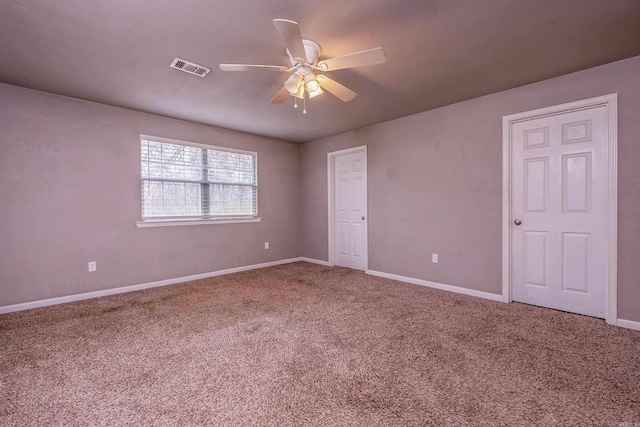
[(435, 184), (70, 193)]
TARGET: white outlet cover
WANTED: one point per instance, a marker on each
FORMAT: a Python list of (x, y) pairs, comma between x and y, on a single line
[(92, 266), (266, 245), (434, 258)]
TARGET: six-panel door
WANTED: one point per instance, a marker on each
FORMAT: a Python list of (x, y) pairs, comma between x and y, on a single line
[(350, 210), (559, 178)]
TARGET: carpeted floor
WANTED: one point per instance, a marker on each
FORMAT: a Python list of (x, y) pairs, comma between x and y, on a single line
[(306, 345)]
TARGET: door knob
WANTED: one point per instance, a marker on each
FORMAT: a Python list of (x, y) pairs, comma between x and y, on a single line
[(363, 217), (517, 221)]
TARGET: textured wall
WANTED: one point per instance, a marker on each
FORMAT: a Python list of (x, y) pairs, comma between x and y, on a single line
[(70, 193), (435, 184)]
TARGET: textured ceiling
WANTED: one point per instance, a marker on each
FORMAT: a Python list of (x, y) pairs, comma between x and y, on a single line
[(438, 52)]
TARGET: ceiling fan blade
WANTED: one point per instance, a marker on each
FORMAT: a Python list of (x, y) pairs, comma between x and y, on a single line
[(290, 33), (246, 67), (335, 88), (356, 59), (281, 96)]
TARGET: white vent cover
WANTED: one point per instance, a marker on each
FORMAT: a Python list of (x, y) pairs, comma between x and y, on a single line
[(190, 67)]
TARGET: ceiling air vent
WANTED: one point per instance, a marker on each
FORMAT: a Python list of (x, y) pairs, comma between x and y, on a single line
[(190, 67)]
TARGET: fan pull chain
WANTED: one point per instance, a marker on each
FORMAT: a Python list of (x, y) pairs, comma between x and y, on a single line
[(304, 103), (295, 102)]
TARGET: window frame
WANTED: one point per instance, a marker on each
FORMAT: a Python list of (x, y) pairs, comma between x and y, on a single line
[(164, 221)]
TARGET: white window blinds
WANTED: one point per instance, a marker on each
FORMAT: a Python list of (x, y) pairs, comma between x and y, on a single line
[(190, 181)]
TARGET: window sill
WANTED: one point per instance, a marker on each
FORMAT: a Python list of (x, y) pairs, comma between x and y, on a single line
[(174, 223)]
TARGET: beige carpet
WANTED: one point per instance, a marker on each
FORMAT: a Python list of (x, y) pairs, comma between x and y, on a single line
[(305, 345)]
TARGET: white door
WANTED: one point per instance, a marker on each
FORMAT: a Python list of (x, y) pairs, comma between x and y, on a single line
[(350, 210), (559, 211)]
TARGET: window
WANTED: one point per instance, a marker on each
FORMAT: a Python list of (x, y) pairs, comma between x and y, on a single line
[(184, 181)]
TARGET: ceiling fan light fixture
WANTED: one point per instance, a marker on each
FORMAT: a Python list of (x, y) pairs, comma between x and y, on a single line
[(316, 92), (311, 83), (293, 83)]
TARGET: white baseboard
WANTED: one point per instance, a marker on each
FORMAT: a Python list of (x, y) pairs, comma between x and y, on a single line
[(315, 261), (124, 289), (630, 324), (441, 286)]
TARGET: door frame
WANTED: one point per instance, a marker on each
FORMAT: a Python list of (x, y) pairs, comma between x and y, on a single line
[(610, 102), (331, 162)]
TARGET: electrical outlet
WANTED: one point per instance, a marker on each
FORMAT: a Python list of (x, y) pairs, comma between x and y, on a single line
[(92, 266), (266, 245), (434, 258)]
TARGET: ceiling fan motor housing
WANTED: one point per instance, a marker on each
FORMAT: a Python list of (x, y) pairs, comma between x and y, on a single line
[(311, 49)]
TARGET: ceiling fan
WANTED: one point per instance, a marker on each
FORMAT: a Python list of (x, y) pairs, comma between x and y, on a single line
[(304, 57)]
